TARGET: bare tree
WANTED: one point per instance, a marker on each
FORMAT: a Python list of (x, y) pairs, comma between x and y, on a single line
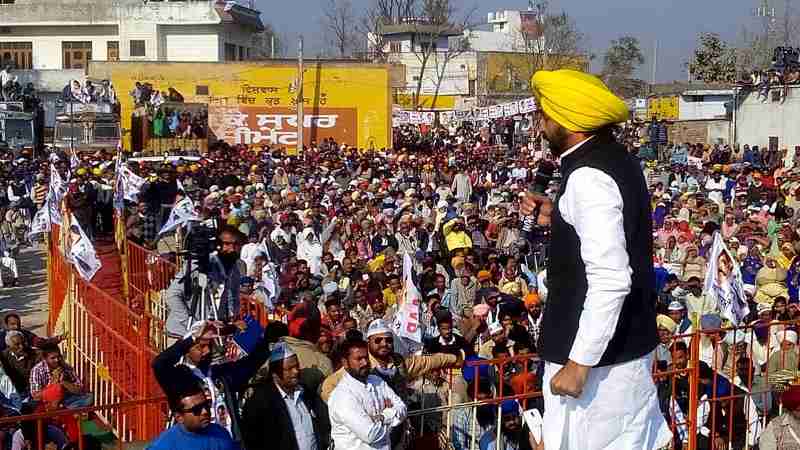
[(339, 20), (551, 40), (379, 14), (437, 38), (264, 41)]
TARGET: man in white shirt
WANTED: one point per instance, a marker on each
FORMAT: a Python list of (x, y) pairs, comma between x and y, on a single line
[(363, 408), (599, 334)]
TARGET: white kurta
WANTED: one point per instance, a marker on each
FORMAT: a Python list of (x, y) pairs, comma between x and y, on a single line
[(618, 408), (360, 418)]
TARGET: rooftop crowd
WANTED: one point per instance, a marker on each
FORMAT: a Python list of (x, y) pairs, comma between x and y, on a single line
[(319, 240)]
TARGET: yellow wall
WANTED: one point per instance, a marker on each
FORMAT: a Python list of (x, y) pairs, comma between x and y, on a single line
[(364, 87), (665, 107), (444, 102), (521, 67)]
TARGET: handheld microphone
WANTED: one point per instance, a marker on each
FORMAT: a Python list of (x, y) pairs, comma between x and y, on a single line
[(541, 180)]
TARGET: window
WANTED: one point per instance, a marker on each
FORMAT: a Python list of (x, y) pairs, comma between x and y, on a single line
[(76, 54), (112, 50), (230, 52), (6, 2), (472, 84), (395, 47), (242, 52), (201, 90), (19, 55), (138, 48)]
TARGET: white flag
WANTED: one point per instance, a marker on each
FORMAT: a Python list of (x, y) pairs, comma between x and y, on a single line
[(182, 212), (81, 251), (407, 324), (180, 186), (41, 221), (131, 184), (724, 282), (74, 161), (55, 194)]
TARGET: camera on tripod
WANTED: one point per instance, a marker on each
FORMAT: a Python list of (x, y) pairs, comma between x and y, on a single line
[(199, 244), (785, 58)]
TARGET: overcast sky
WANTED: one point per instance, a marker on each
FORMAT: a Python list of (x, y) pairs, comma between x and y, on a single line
[(674, 23)]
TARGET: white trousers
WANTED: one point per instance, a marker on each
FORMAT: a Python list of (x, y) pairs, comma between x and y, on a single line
[(617, 410), (11, 264)]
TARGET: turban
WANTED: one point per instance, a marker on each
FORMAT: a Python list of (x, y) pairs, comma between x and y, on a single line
[(484, 275), (481, 310), (577, 101), (531, 299), (791, 398), (519, 382), (666, 323)]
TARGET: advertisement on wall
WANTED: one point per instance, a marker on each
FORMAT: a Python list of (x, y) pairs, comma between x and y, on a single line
[(264, 125)]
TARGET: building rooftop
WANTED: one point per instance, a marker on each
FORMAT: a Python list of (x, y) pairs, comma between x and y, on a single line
[(419, 28)]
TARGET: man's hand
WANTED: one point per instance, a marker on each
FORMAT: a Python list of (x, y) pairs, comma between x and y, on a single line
[(570, 380), (532, 201)]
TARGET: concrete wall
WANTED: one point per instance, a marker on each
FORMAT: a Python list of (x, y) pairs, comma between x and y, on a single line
[(711, 107), (356, 91), (700, 131), (757, 121), (456, 73)]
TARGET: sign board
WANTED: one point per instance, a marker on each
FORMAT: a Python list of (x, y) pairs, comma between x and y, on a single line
[(264, 125)]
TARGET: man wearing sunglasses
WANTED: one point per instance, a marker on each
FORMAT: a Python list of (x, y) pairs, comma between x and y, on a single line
[(193, 428)]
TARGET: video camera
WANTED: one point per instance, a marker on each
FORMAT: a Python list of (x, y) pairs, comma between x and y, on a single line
[(785, 58), (200, 242)]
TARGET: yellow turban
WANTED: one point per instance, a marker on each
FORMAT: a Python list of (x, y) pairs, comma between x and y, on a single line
[(577, 101), (666, 323)]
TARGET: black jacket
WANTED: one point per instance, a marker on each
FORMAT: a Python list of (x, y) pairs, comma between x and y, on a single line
[(635, 334), (266, 423)]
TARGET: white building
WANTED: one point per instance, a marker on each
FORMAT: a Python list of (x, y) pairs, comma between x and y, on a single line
[(704, 104), (66, 34), (449, 74), (767, 122)]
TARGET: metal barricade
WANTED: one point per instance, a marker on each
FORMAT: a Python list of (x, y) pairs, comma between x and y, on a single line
[(119, 418)]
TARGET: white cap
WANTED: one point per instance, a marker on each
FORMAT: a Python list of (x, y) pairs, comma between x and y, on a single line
[(441, 205), (495, 327), (675, 306), (763, 307), (330, 287), (376, 327), (788, 335)]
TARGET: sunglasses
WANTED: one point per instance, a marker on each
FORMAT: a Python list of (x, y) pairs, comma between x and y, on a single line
[(199, 408), (378, 340)]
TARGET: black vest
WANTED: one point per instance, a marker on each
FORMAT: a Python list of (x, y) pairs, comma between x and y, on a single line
[(636, 333)]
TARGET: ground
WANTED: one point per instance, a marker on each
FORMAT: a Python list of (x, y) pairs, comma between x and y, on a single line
[(29, 298)]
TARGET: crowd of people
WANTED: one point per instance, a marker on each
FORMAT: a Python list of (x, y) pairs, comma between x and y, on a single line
[(320, 241)]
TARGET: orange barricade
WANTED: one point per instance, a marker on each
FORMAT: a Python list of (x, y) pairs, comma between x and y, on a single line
[(58, 273), (149, 275), (717, 388), (120, 415)]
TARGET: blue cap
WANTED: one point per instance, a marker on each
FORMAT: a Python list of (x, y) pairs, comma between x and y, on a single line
[(281, 351), (509, 407)]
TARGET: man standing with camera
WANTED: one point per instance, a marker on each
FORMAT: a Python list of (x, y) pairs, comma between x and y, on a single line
[(212, 291), (599, 327)]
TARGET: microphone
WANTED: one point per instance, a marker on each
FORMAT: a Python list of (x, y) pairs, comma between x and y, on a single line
[(541, 180)]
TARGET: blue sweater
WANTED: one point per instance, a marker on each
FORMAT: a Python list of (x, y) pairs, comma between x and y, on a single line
[(213, 437)]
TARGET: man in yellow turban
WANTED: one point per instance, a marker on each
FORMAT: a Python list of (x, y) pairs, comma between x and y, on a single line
[(598, 332)]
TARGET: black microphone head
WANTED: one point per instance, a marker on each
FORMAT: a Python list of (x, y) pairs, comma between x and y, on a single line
[(544, 174)]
